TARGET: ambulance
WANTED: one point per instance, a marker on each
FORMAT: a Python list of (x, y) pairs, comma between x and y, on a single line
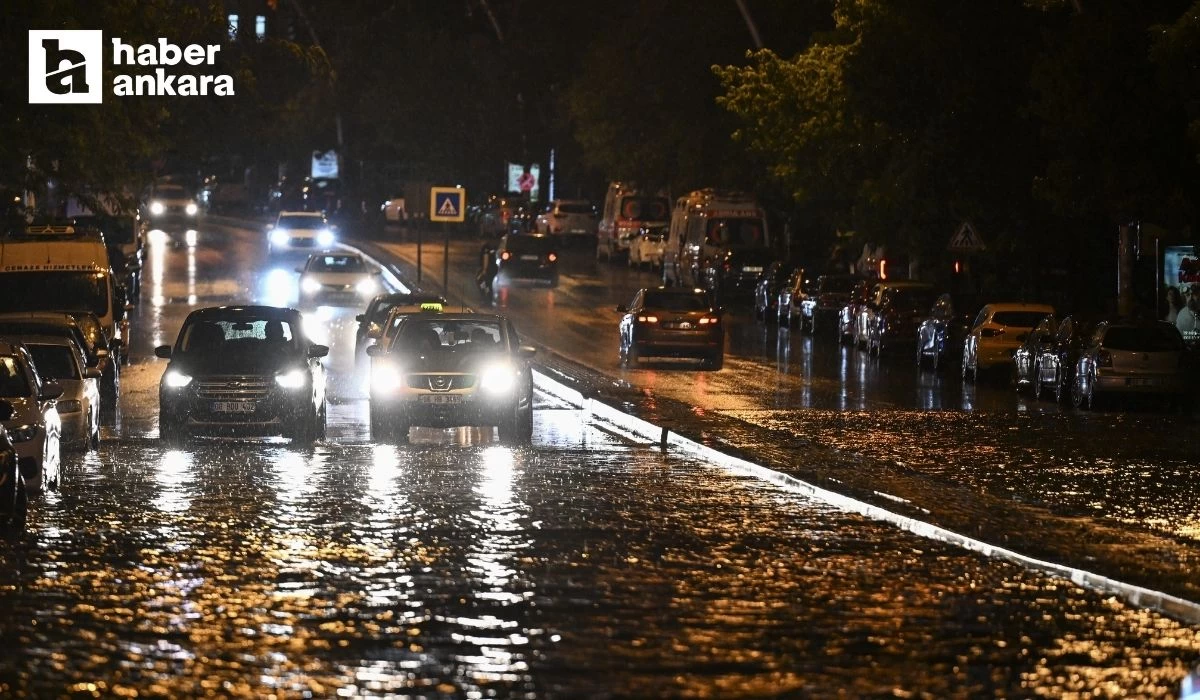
[(626, 211), (717, 240), (59, 267)]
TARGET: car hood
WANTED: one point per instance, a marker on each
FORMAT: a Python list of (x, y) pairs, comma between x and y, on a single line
[(335, 277), (25, 412), (230, 364), (452, 362)]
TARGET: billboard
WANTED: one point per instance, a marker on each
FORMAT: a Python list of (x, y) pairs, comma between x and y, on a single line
[(324, 165), (524, 179)]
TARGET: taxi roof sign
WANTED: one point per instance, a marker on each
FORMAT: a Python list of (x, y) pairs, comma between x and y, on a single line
[(447, 204), (432, 306)]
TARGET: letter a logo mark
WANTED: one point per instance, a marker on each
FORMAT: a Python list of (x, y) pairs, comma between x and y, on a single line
[(65, 66)]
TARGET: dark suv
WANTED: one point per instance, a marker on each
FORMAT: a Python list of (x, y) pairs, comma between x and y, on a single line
[(242, 370)]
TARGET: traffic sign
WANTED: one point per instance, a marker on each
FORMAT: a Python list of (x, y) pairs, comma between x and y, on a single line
[(967, 239), (447, 204)]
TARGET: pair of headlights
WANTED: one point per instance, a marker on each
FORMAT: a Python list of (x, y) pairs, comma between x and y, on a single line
[(366, 287), (291, 379), (498, 378), (157, 208), (324, 237)]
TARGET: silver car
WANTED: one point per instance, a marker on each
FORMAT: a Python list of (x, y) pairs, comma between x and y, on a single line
[(1132, 357), (34, 426), (60, 359)]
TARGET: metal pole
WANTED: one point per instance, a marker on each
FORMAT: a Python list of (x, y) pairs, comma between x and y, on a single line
[(419, 228), (445, 259)]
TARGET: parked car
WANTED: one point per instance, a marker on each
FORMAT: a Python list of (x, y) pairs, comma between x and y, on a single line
[(34, 426), (569, 218), (342, 278), (997, 332), (671, 322), (847, 315), (526, 257), (447, 370), (1057, 361), (371, 321), (797, 303), (299, 230), (648, 247), (766, 291), (1037, 341), (86, 331), (1133, 357), (242, 370), (941, 333), (13, 499), (60, 359), (891, 316)]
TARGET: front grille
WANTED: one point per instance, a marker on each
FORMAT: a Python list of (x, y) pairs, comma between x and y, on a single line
[(302, 242), (441, 382), (338, 287), (235, 388)]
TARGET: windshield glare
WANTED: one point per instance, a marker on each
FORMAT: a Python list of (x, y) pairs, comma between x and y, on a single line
[(237, 336), (54, 361), (441, 336)]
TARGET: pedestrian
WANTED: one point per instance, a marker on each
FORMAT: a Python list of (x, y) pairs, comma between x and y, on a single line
[(1188, 320), (487, 269), (1174, 303)]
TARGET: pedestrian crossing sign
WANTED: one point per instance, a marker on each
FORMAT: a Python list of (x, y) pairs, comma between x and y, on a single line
[(966, 240), (447, 204)]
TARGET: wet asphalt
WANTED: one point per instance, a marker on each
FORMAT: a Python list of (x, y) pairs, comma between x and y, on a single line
[(587, 565)]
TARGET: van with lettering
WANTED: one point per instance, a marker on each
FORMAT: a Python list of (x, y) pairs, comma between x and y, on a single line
[(626, 210), (717, 241), (57, 267)]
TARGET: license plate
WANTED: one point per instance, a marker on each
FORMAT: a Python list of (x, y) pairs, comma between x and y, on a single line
[(439, 398), (1140, 381), (682, 326), (529, 257), (232, 406), (752, 268)]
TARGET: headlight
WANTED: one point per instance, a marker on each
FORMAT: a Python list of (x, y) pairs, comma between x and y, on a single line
[(310, 285), (191, 208), (325, 238), (157, 208), (366, 287), (385, 376), (70, 406), (176, 380), (23, 433), (191, 237), (292, 379), (279, 236), (498, 379)]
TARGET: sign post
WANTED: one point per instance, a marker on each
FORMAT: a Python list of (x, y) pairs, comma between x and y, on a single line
[(446, 204)]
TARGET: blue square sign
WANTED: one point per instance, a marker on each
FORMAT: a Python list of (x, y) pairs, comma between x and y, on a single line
[(447, 204)]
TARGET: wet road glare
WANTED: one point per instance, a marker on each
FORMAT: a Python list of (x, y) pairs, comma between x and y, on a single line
[(585, 565)]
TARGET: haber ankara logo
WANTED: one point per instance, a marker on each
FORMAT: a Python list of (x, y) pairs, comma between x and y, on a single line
[(66, 66)]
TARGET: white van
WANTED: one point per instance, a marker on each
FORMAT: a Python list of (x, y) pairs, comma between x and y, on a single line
[(717, 240), (626, 211), (57, 268)]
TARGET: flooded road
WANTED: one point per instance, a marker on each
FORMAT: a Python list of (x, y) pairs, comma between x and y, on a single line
[(586, 565)]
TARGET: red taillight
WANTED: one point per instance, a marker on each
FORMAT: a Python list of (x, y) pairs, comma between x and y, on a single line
[(1104, 359), (648, 319), (704, 321), (505, 255), (552, 257)]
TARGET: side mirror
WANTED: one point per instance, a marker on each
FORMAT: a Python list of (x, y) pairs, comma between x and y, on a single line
[(50, 390), (360, 318), (621, 308), (374, 351), (92, 373), (163, 352), (526, 351), (315, 350), (300, 270), (6, 410)]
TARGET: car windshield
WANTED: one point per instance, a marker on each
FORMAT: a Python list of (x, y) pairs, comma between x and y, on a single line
[(300, 222), (575, 209), (835, 285), (1143, 339), (428, 336), (239, 336), (54, 361), (170, 192), (744, 233), (54, 291), (336, 263), (910, 298), (528, 244), (668, 301), (645, 208), (1018, 319), (12, 380)]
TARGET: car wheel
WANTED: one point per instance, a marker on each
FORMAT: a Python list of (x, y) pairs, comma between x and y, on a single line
[(305, 431), (715, 361), (13, 495), (322, 421), (631, 355), (968, 372), (1078, 400), (93, 440)]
